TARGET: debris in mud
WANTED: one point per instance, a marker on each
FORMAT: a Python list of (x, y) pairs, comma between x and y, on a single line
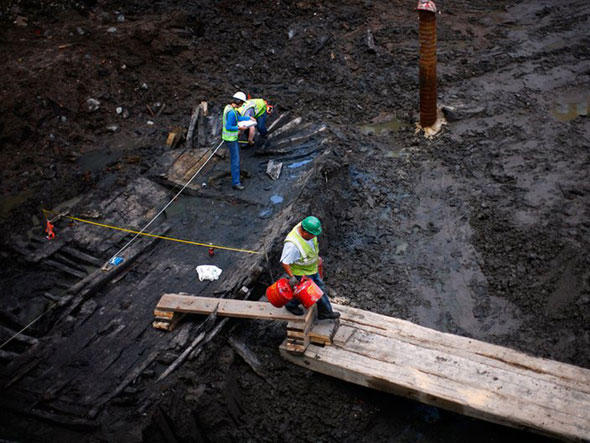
[(93, 104), (273, 169)]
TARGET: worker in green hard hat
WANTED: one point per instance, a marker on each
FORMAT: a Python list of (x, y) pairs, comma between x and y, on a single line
[(300, 258)]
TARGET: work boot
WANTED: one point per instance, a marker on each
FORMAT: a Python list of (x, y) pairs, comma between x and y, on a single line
[(295, 310), (328, 315), (239, 187)]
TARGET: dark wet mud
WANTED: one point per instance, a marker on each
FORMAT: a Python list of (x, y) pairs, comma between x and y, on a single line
[(482, 231)]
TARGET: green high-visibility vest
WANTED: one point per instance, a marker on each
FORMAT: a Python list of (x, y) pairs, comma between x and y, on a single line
[(226, 134), (258, 104), (308, 262)]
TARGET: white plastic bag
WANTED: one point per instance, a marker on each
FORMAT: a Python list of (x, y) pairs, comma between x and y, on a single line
[(208, 272)]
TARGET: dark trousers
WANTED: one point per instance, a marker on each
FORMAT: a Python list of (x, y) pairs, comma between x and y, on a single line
[(324, 305)]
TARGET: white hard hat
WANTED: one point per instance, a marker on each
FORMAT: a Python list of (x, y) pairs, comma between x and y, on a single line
[(240, 96)]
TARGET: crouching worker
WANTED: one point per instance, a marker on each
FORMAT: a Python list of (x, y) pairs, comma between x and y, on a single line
[(257, 108), (300, 258)]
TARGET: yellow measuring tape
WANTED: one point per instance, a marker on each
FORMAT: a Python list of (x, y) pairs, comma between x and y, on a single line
[(178, 240)]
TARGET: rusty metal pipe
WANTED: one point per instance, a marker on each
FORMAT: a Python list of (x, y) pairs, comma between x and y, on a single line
[(427, 36)]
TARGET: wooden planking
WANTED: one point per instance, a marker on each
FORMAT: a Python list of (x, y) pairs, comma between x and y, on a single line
[(464, 375), (187, 164), (191, 304), (468, 373), (493, 355)]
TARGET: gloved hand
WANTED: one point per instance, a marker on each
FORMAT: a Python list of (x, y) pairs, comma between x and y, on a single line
[(293, 281)]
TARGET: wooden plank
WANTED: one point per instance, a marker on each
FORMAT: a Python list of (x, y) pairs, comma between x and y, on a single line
[(494, 355), (187, 164), (65, 268), (323, 332), (461, 374), (467, 372), (82, 256), (191, 127), (438, 391), (191, 304), (100, 277)]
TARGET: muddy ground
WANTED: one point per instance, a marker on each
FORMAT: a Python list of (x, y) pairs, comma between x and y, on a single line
[(482, 231)]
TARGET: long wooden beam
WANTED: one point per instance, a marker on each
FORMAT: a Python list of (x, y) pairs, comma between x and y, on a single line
[(225, 307), (467, 376)]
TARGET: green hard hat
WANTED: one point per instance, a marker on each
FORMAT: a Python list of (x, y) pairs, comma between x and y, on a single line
[(312, 225)]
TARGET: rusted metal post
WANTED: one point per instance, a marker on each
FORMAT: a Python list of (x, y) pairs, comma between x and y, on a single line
[(427, 36)]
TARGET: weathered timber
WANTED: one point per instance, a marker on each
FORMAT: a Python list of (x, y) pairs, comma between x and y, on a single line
[(249, 358), (65, 268), (457, 373), (202, 125), (299, 138), (47, 248), (168, 324), (191, 127), (275, 123), (75, 423), (20, 372), (194, 354), (82, 256), (68, 261), (23, 338), (292, 124), (189, 162), (7, 355), (126, 381), (98, 278), (298, 333), (225, 307), (202, 330)]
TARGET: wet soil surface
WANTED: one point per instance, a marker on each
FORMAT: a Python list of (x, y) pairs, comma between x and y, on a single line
[(482, 231)]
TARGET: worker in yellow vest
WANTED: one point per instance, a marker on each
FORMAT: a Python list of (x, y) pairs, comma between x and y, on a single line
[(300, 258), (257, 108), (230, 133)]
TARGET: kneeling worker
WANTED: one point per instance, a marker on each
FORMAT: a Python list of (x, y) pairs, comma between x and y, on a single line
[(257, 108), (300, 258)]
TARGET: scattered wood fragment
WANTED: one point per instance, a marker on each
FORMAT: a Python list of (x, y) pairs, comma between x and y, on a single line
[(161, 109), (371, 41)]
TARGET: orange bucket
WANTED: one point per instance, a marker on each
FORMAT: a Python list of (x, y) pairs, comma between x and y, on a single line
[(279, 293), (307, 292)]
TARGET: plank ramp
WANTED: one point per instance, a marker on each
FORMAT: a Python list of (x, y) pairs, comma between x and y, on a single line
[(467, 376)]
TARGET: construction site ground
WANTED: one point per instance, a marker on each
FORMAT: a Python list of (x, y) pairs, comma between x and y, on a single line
[(481, 231)]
